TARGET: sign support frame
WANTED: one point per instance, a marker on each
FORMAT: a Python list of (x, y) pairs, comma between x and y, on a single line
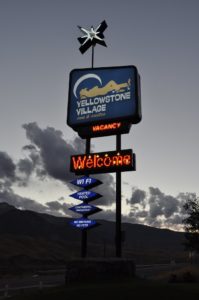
[(118, 232), (88, 147), (92, 59), (84, 232)]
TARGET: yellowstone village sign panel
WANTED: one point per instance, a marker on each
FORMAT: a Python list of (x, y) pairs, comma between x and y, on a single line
[(104, 101)]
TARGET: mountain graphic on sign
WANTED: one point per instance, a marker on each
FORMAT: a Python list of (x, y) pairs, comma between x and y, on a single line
[(111, 86)]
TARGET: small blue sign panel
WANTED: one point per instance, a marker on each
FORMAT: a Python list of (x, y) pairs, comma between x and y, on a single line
[(85, 209), (103, 95), (83, 223), (86, 182), (86, 195)]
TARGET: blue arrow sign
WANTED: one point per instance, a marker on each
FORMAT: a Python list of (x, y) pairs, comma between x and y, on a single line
[(86, 182), (85, 209), (86, 195), (83, 223)]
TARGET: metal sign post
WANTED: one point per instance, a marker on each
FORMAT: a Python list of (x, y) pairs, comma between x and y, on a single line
[(84, 232), (118, 238)]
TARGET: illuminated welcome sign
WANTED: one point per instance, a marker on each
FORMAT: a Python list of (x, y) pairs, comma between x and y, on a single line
[(103, 162), (104, 96)]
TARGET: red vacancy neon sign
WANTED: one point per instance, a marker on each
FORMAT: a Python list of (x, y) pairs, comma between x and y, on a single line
[(103, 162), (104, 129)]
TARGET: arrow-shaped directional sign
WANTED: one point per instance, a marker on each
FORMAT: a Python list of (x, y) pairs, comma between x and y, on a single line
[(86, 195), (85, 209), (83, 223), (86, 182)]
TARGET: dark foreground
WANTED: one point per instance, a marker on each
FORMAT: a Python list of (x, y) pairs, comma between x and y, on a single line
[(117, 289)]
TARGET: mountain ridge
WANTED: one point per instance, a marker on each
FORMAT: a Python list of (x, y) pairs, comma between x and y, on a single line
[(31, 238)]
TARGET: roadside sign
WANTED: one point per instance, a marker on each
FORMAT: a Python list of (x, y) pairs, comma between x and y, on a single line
[(85, 209), (83, 223), (103, 96), (86, 195), (86, 182), (103, 162)]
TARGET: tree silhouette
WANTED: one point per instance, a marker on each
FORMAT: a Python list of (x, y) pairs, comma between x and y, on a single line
[(192, 224)]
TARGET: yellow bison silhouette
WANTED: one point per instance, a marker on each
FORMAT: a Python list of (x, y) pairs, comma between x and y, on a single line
[(101, 91)]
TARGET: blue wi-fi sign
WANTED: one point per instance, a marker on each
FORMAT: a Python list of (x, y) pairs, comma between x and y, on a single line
[(83, 223), (86, 182), (86, 195), (85, 209)]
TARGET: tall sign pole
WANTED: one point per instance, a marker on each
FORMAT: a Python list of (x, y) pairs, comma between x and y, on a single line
[(90, 39), (118, 237), (84, 232)]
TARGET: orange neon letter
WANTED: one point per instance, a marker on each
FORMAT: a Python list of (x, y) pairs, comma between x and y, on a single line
[(107, 164), (78, 163), (127, 159), (99, 162)]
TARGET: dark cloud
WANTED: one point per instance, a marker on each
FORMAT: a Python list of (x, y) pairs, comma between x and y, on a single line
[(63, 208), (161, 204), (54, 158), (106, 189), (53, 207), (25, 166), (141, 214), (29, 147), (7, 166), (156, 208), (54, 151), (138, 196), (11, 198), (48, 155), (155, 191), (176, 219)]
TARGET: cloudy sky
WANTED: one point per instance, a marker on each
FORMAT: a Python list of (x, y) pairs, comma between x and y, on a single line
[(38, 49)]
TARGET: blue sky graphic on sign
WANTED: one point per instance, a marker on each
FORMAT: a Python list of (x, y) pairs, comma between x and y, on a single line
[(85, 209), (85, 195), (103, 95), (86, 182), (83, 223)]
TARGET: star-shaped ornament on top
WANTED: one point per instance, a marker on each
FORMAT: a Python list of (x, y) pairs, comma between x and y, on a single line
[(92, 37)]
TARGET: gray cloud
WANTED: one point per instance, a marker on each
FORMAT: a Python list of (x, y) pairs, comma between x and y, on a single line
[(25, 166), (54, 158), (161, 204), (138, 196), (156, 208), (7, 166), (54, 151), (141, 214), (48, 155), (11, 198), (55, 206), (106, 189)]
